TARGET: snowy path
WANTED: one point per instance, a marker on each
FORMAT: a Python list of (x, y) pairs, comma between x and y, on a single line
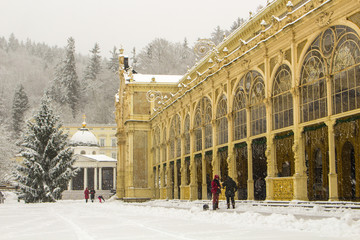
[(70, 220)]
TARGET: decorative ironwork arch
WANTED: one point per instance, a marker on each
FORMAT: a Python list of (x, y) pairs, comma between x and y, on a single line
[(239, 110), (221, 121), (282, 100), (187, 133)]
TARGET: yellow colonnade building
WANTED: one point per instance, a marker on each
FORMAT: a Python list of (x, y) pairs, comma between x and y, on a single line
[(276, 106)]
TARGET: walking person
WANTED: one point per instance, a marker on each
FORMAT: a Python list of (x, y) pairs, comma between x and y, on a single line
[(92, 195), (216, 190), (86, 193), (230, 185)]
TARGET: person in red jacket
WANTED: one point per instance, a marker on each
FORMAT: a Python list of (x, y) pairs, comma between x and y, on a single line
[(86, 192), (216, 190)]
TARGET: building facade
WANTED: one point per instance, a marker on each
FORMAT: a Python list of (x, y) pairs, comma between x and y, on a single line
[(276, 106), (96, 170)]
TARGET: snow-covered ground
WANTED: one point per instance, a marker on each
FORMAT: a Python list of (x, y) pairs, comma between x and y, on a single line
[(68, 220)]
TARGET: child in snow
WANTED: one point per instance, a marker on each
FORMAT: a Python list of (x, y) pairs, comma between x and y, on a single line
[(101, 198)]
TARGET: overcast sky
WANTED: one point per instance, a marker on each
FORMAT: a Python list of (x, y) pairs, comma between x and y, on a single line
[(130, 23)]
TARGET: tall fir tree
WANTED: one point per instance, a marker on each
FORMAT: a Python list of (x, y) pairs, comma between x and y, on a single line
[(94, 65), (66, 87), (3, 110), (113, 64), (47, 166), (7, 151), (134, 58), (91, 83), (19, 107), (217, 35)]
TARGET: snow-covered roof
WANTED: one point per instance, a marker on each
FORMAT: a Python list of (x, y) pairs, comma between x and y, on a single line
[(83, 137), (100, 158), (148, 78)]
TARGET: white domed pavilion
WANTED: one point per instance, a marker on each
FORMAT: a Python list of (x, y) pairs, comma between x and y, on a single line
[(96, 171)]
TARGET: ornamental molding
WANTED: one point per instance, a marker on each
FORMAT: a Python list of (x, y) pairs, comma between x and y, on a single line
[(280, 57), (324, 19), (245, 64)]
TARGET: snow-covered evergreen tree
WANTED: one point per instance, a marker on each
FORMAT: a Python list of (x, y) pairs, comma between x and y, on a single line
[(237, 23), (134, 58), (66, 87), (47, 166), (113, 64), (3, 110), (217, 35), (94, 66), (7, 151), (19, 107), (164, 57)]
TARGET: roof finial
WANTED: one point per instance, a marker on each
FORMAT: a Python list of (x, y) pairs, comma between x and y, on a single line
[(84, 122)]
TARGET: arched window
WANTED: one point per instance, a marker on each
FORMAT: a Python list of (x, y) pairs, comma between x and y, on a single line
[(82, 152), (221, 121), (157, 145), (172, 139), (198, 128), (187, 134), (207, 110), (164, 146), (345, 69), (257, 105), (202, 118), (282, 99), (313, 103), (94, 153), (239, 110), (178, 135)]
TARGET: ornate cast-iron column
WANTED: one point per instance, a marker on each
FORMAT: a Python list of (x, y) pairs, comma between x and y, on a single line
[(250, 181), (193, 183), (215, 161), (231, 158), (333, 187)]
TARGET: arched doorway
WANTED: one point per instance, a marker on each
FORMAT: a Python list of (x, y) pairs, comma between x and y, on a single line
[(317, 161), (348, 173), (209, 172), (223, 155), (318, 175), (241, 170), (172, 178), (259, 168), (198, 165)]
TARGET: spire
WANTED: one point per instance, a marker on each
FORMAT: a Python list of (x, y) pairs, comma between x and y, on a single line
[(84, 122)]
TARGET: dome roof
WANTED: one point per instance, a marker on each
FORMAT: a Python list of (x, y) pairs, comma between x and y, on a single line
[(83, 137)]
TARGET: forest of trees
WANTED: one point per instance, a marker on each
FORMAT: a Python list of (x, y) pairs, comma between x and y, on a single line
[(80, 84)]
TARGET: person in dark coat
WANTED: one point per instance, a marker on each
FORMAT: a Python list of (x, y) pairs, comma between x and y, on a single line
[(215, 190), (101, 198), (86, 193), (230, 185), (92, 195)]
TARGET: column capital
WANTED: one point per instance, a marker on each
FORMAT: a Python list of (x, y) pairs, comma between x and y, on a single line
[(330, 123), (230, 116), (295, 91)]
